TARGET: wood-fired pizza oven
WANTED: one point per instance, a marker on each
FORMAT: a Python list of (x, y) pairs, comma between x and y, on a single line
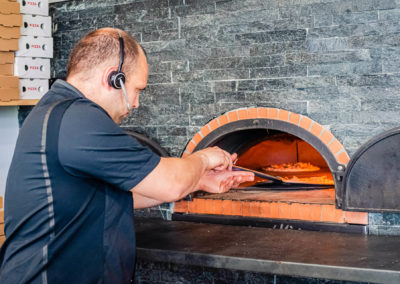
[(273, 140)]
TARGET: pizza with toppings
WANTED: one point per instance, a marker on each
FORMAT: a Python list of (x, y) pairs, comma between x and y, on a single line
[(292, 167), (312, 180)]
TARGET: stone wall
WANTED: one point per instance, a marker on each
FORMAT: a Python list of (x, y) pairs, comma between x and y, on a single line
[(336, 61)]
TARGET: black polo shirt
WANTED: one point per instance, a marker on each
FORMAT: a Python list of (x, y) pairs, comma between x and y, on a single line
[(72, 223)]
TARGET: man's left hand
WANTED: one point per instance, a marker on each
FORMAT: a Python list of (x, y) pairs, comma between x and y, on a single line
[(222, 181)]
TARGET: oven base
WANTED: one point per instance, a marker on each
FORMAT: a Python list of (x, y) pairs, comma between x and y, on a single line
[(272, 223)]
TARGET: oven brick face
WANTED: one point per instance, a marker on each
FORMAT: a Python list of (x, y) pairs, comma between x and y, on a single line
[(336, 63)]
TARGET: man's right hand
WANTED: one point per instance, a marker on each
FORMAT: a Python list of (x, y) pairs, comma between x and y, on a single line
[(216, 159)]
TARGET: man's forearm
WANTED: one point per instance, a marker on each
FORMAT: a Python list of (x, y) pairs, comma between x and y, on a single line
[(140, 201)]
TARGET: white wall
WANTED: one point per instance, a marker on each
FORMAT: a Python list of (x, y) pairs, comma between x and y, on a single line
[(8, 136)]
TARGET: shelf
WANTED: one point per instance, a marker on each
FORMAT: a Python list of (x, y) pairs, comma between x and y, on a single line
[(19, 103)]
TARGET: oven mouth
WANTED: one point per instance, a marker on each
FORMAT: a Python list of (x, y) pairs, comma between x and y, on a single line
[(259, 148), (267, 137)]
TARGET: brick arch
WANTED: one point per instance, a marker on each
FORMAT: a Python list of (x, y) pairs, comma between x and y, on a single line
[(293, 210), (315, 129)]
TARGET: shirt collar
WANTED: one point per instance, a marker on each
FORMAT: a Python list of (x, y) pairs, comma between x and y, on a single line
[(67, 87)]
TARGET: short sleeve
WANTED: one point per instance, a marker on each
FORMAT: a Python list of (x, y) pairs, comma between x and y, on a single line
[(91, 145)]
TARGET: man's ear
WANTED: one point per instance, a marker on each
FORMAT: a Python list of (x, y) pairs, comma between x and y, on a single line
[(106, 73)]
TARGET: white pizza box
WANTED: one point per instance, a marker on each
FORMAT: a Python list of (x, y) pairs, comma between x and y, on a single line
[(35, 7), (36, 26), (33, 88), (32, 46), (34, 68)]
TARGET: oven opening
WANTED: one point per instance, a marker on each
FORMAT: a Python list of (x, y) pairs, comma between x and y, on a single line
[(306, 157), (305, 174)]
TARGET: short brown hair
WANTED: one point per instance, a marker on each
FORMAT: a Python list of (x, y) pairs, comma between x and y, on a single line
[(100, 46)]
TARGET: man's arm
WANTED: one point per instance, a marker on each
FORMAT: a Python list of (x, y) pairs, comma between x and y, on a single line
[(140, 201), (174, 178), (211, 181)]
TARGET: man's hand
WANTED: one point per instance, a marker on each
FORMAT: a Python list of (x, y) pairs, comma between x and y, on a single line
[(221, 181), (216, 159)]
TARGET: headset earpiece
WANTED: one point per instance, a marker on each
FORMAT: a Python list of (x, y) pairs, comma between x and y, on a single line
[(114, 79)]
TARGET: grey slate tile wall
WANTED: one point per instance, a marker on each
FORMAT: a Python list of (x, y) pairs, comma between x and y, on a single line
[(336, 61)]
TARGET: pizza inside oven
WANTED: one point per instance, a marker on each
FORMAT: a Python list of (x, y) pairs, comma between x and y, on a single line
[(291, 167)]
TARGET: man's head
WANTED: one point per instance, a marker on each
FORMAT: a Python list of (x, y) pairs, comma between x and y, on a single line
[(95, 57)]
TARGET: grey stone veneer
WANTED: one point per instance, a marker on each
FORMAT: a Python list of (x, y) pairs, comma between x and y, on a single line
[(337, 62)]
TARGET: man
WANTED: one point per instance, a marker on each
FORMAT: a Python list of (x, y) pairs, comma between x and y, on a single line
[(68, 201)]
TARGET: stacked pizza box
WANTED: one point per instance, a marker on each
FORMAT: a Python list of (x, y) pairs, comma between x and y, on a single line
[(35, 48), (10, 32)]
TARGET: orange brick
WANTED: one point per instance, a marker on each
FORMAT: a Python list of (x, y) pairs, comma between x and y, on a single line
[(296, 211), (305, 212), (283, 115), (255, 209), (205, 130), (227, 207), (209, 206), (232, 116), (223, 119), (242, 113), (305, 122), (197, 138), (266, 209), (1, 216), (274, 210), (356, 217), (252, 112), (192, 206), (335, 146), (315, 214), (201, 207), (339, 215), (190, 147), (237, 208), (263, 112), (316, 129), (181, 206), (273, 113), (246, 208), (284, 211), (294, 118), (327, 136), (328, 213), (217, 206), (343, 158), (213, 124)]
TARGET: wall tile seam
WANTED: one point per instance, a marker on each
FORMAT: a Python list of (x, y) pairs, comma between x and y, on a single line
[(272, 78)]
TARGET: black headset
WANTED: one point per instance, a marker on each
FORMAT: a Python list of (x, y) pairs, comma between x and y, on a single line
[(115, 77)]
